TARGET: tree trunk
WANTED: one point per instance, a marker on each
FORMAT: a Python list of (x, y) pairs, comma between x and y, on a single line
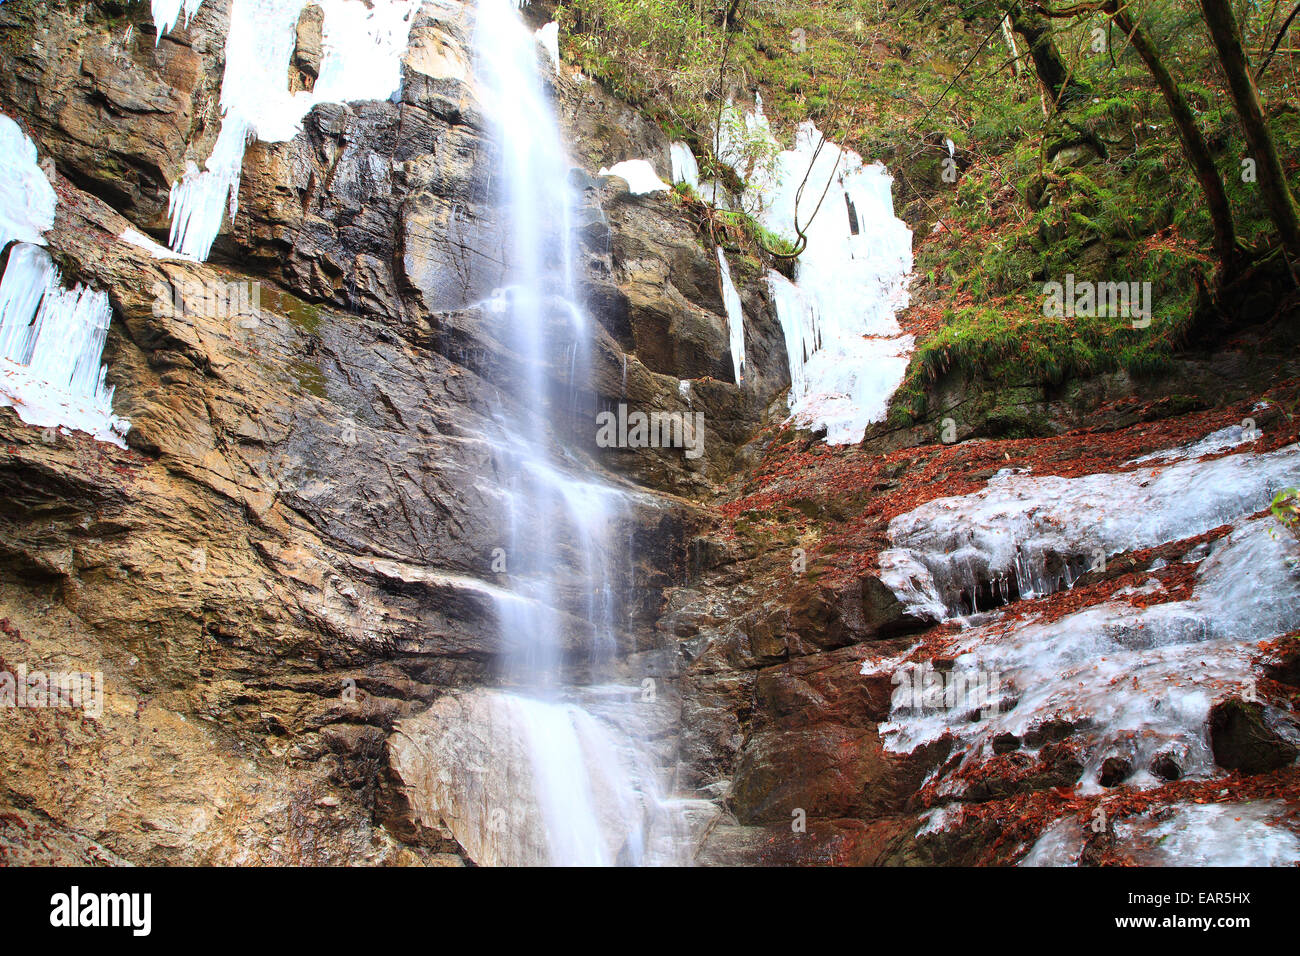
[(1259, 139), (1194, 145), (1051, 69)]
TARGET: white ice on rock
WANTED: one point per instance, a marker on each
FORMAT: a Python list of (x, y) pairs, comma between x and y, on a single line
[(51, 337), (27, 199), (1133, 682), (1029, 536), (1136, 681), (1213, 443), (133, 237), (1188, 834), (685, 168), (640, 175), (549, 37), (847, 352), (362, 50), (735, 318), (167, 13)]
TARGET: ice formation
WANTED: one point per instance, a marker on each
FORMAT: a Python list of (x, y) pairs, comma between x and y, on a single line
[(1130, 681), (549, 37), (133, 237), (167, 13), (685, 168), (1023, 536), (1135, 681), (1189, 834), (27, 199), (361, 58), (735, 318), (847, 352), (640, 175), (51, 338), (1213, 443)]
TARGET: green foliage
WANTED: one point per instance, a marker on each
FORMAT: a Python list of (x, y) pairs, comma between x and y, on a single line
[(661, 55), (1100, 189), (1285, 508), (753, 232), (1013, 344)]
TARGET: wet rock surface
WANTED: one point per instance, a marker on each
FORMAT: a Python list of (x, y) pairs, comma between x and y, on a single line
[(294, 553), (287, 576)]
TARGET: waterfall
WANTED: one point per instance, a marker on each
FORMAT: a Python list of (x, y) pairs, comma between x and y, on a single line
[(563, 762), (544, 771)]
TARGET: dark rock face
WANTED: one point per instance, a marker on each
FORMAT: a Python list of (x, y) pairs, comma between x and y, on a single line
[(1252, 737), (304, 68)]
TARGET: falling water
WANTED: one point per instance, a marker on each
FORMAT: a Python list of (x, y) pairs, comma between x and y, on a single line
[(562, 762)]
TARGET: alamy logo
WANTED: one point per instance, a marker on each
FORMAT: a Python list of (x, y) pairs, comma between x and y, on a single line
[(651, 430), (1129, 300), (965, 690), (209, 300), (75, 908), (42, 689)]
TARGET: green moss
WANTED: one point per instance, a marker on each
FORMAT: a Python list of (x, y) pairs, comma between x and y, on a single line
[(1016, 344), (302, 315), (309, 378)]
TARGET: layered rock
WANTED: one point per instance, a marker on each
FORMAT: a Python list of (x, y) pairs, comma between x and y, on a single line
[(295, 551)]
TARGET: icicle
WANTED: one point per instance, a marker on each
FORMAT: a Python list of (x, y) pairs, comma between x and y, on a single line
[(685, 168), (362, 50), (167, 13), (1028, 526), (27, 199), (735, 319), (847, 352), (51, 338)]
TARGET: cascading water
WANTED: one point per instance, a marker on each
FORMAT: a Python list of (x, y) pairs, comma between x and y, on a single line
[(544, 772), (561, 763)]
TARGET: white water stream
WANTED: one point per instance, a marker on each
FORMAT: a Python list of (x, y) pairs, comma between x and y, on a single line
[(525, 774), (577, 788)]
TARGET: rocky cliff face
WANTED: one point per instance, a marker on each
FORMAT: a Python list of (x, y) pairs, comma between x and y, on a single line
[(286, 578), (294, 552)]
